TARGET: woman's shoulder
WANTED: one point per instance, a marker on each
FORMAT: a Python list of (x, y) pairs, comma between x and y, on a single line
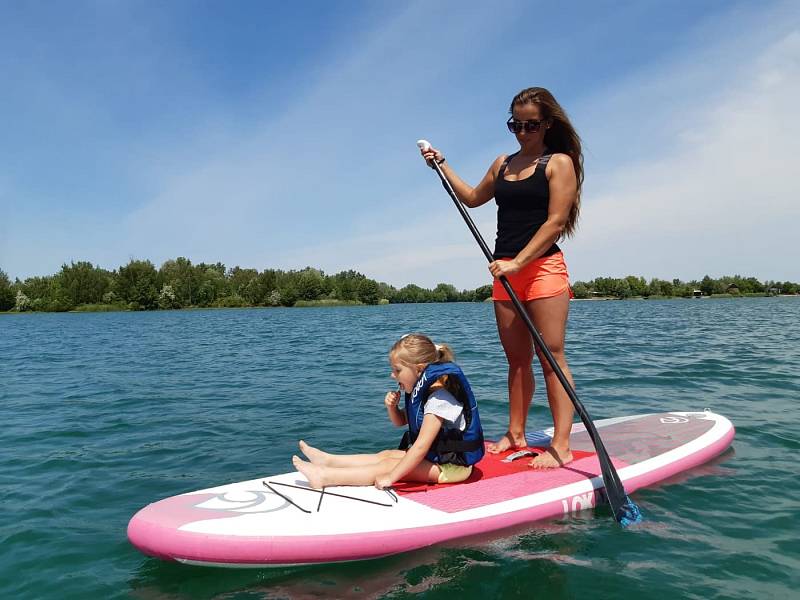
[(500, 158), (558, 162), (497, 163)]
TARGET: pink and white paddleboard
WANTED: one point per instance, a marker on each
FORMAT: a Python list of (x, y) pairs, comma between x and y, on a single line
[(279, 520)]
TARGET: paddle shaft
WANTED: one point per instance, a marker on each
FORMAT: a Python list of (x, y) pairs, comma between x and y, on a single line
[(614, 489)]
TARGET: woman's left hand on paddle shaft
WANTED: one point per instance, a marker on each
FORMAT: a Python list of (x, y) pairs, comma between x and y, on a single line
[(504, 267)]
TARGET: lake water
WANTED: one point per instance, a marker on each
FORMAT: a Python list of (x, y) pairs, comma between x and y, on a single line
[(103, 413)]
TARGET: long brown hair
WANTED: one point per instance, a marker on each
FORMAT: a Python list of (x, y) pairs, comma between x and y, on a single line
[(560, 137)]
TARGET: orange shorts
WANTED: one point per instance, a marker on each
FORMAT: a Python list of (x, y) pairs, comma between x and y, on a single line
[(544, 277)]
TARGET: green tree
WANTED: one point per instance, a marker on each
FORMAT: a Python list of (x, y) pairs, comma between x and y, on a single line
[(21, 302), (83, 283), (232, 301), (605, 286), (387, 292), (180, 275), (213, 284), (755, 286), (444, 292), (7, 296), (368, 291), (310, 284), (659, 287), (482, 293), (288, 294), (260, 290), (580, 290), (110, 298), (37, 289), (346, 284), (274, 298), (707, 285), (243, 282), (411, 293), (46, 293), (137, 284), (167, 299), (622, 289), (637, 285), (59, 299)]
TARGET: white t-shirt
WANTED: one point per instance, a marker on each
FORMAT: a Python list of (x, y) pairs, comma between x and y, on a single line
[(443, 404)]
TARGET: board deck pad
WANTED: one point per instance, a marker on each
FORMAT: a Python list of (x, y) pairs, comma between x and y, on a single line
[(280, 520), (517, 479)]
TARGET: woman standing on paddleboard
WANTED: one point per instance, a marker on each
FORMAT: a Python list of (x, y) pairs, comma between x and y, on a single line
[(537, 190)]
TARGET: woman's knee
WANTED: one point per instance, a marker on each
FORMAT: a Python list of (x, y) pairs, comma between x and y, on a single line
[(520, 365), (558, 355), (519, 353)]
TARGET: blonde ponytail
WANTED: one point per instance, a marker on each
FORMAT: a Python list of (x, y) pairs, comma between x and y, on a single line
[(419, 349), (445, 353)]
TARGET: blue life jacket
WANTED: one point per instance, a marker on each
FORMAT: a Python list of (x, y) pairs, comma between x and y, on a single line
[(451, 445)]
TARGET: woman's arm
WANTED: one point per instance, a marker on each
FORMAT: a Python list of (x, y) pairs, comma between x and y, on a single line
[(431, 424), (563, 193), (469, 196)]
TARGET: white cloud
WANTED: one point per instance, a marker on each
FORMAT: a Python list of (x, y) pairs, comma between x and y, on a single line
[(689, 163), (721, 200), (329, 167), (436, 248)]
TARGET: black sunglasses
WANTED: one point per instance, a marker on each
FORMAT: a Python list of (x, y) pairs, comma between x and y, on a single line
[(531, 126)]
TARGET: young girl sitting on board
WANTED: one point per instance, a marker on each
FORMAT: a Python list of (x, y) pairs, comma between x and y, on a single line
[(444, 437)]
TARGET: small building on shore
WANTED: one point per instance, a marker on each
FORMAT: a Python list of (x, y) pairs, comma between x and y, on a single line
[(697, 293)]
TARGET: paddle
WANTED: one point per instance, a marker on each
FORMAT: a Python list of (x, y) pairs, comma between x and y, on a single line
[(624, 509)]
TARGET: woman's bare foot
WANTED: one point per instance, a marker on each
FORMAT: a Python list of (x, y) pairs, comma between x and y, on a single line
[(551, 459), (509, 441), (310, 471), (315, 456)]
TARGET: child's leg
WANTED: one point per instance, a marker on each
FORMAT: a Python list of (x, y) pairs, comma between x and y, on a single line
[(318, 457), (424, 472), (320, 476)]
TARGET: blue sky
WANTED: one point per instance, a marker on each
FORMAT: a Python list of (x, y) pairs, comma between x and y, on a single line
[(264, 136)]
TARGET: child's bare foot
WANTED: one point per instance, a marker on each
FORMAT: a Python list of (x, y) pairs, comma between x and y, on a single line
[(311, 472), (315, 456), (551, 459), (508, 442)]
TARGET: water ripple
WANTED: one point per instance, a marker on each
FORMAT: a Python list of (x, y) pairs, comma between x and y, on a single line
[(104, 413)]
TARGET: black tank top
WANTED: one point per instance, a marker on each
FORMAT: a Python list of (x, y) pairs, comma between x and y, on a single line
[(521, 209)]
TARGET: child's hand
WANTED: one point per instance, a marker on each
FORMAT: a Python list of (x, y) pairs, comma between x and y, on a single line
[(391, 399), (383, 481)]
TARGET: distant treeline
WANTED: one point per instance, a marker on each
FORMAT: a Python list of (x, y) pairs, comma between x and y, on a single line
[(631, 286), (178, 283)]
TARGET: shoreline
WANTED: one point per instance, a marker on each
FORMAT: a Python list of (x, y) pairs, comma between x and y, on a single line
[(339, 304)]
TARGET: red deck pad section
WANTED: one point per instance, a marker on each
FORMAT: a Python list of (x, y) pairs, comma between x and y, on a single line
[(516, 479), (491, 465)]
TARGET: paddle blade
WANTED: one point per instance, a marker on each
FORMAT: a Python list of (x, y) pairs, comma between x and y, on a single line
[(628, 513)]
